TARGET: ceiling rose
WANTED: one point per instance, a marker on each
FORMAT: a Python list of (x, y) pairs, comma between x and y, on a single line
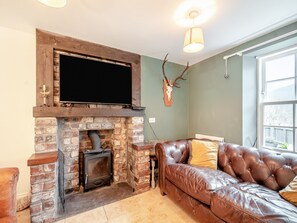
[(54, 3), (204, 8)]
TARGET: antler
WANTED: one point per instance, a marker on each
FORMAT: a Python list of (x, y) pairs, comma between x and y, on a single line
[(165, 60), (175, 84)]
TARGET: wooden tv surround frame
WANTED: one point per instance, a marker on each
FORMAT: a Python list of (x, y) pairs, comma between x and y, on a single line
[(47, 43)]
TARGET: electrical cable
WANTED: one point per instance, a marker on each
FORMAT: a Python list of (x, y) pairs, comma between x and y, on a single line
[(255, 142)]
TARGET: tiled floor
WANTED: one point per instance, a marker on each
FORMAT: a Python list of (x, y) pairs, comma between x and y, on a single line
[(24, 216), (148, 207)]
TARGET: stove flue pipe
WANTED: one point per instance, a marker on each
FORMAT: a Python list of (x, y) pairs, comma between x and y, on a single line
[(94, 137)]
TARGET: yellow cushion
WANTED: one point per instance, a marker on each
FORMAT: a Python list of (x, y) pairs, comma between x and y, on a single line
[(290, 192), (204, 153)]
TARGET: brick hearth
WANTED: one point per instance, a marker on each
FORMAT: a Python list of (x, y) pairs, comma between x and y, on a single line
[(69, 135)]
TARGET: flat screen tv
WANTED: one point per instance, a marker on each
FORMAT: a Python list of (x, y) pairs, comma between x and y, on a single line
[(85, 80)]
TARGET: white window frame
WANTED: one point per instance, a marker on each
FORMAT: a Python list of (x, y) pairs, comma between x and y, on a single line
[(261, 96)]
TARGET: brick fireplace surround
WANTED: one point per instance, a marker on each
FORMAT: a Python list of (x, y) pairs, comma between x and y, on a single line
[(63, 128), (129, 164)]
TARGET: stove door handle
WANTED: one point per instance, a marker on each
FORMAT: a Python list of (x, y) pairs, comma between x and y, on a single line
[(86, 180)]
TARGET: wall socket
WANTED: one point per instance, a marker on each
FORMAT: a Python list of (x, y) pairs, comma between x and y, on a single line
[(152, 120)]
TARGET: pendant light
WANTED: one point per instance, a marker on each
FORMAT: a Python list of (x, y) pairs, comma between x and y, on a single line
[(54, 3), (194, 41)]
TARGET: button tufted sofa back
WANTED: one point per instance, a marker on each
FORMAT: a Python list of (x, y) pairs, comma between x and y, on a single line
[(177, 151), (272, 169), (171, 152)]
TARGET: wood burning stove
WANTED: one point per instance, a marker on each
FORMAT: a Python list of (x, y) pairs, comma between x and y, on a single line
[(96, 168)]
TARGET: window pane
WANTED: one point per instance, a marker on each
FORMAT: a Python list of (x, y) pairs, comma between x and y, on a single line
[(280, 90), (279, 68), (278, 138), (278, 115)]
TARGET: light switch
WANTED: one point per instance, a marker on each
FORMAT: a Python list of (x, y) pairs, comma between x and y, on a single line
[(152, 120)]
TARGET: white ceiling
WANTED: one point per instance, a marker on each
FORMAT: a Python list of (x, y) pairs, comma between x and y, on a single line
[(146, 27)]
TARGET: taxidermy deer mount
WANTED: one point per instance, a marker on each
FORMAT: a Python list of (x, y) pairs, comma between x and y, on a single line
[(168, 85)]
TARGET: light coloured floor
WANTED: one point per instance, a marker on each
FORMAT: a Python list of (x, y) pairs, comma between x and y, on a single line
[(148, 207), (24, 216)]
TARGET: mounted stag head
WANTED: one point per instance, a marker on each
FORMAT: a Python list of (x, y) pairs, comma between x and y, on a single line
[(168, 85)]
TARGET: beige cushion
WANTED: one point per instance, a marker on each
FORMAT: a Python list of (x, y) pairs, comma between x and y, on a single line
[(290, 192), (204, 154)]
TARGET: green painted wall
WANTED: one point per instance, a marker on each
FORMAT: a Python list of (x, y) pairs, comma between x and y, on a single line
[(216, 104), (171, 122), (206, 103)]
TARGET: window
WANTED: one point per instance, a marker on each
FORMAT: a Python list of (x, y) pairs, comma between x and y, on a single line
[(278, 101)]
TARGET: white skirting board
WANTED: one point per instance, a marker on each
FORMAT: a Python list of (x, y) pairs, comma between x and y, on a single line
[(213, 138)]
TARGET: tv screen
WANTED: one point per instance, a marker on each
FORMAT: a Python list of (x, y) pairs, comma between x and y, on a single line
[(84, 80)]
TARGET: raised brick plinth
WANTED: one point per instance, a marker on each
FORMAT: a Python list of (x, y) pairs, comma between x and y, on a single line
[(44, 178), (139, 166)]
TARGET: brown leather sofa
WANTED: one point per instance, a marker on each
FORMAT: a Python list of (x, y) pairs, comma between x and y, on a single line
[(8, 184), (243, 189)]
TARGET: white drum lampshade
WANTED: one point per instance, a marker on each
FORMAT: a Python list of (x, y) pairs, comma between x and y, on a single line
[(194, 41)]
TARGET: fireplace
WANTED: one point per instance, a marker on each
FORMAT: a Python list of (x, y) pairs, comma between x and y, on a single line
[(96, 168), (59, 127), (68, 136)]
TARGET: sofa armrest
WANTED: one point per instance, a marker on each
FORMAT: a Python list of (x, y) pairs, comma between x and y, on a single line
[(170, 152), (160, 152), (8, 184)]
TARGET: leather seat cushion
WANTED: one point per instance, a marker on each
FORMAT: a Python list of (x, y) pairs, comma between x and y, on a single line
[(199, 182), (248, 202)]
